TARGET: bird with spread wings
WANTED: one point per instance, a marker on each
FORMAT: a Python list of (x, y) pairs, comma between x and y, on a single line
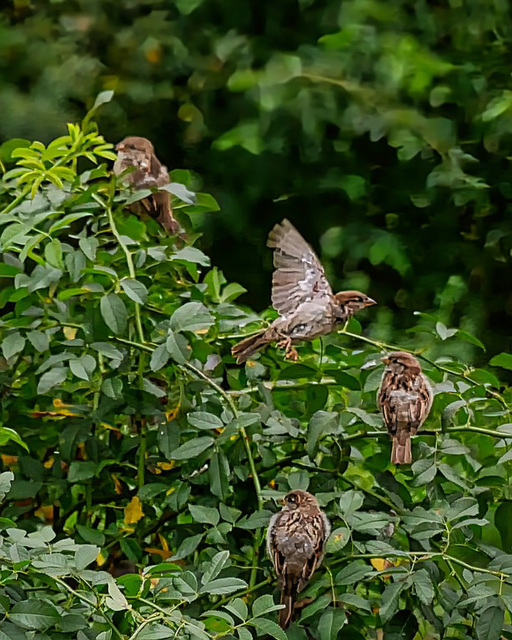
[(301, 295)]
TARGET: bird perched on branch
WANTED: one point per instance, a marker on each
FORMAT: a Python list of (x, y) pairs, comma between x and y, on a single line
[(301, 295), (148, 174), (405, 398), (296, 538)]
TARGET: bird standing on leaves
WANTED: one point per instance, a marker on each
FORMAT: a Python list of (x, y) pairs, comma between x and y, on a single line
[(301, 295), (405, 398), (148, 174), (296, 538)]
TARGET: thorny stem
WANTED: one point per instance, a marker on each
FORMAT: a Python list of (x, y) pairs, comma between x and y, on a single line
[(129, 262), (252, 466), (421, 556)]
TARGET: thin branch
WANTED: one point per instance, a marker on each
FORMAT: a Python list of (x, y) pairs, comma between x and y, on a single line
[(129, 261), (421, 556)]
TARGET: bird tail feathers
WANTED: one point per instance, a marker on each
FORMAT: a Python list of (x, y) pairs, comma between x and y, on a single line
[(401, 452), (245, 349), (285, 615)]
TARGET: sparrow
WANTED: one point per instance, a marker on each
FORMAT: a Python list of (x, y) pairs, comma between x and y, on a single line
[(404, 398), (296, 538), (301, 295), (148, 174)]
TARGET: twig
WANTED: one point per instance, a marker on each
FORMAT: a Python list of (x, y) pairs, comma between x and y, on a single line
[(129, 261)]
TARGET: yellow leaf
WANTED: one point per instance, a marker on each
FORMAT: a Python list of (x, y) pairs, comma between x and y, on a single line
[(101, 559), (163, 542), (45, 512), (381, 564), (133, 511), (9, 461), (159, 552), (70, 332), (118, 487), (165, 466), (49, 463), (170, 415)]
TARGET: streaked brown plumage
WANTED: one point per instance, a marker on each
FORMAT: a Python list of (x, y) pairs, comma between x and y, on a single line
[(296, 539), (138, 152), (302, 296), (405, 399)]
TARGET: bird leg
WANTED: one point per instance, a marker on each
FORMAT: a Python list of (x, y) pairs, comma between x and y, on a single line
[(289, 352)]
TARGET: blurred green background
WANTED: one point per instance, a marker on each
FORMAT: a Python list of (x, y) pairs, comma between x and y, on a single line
[(381, 129)]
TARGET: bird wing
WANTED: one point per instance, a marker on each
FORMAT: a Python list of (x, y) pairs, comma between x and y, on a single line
[(298, 277), (405, 408)]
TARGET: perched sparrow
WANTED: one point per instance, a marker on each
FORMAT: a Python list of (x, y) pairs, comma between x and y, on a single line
[(148, 174), (405, 399), (301, 295), (296, 538)]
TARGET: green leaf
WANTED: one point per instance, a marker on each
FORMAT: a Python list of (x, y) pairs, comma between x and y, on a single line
[(222, 586), (218, 472), (11, 345), (256, 520), (6, 478), (85, 555), (81, 470), (38, 340), (390, 600), (53, 254), (191, 254), (188, 546), (168, 438), (159, 358), (135, 290), (423, 586), (218, 562), (269, 627), (192, 448), (51, 379), (108, 350), (207, 515), (489, 624), (238, 608), (502, 520), (353, 572), (503, 360), (204, 420), (154, 631), (192, 316), (34, 615), (330, 623), (114, 313), (263, 605)]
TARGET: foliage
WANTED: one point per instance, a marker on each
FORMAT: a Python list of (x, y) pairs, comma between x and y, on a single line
[(380, 128), (134, 439)]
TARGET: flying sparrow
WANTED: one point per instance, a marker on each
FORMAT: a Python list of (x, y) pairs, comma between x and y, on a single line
[(301, 295), (296, 538), (148, 174), (405, 398)]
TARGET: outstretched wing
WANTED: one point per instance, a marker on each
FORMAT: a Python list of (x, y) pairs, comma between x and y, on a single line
[(299, 277)]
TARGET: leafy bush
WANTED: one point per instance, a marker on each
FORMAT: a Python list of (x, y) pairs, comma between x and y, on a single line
[(134, 439)]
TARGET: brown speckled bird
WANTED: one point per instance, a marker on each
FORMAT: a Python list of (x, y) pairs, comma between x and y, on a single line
[(148, 174), (296, 538), (405, 399), (301, 295)]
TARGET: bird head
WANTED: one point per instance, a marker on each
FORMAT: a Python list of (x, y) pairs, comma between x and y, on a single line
[(400, 361), (297, 499), (135, 143), (351, 302)]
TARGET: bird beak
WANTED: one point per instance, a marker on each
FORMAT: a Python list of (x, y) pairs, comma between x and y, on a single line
[(369, 302), (281, 502), (120, 147), (385, 360)]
